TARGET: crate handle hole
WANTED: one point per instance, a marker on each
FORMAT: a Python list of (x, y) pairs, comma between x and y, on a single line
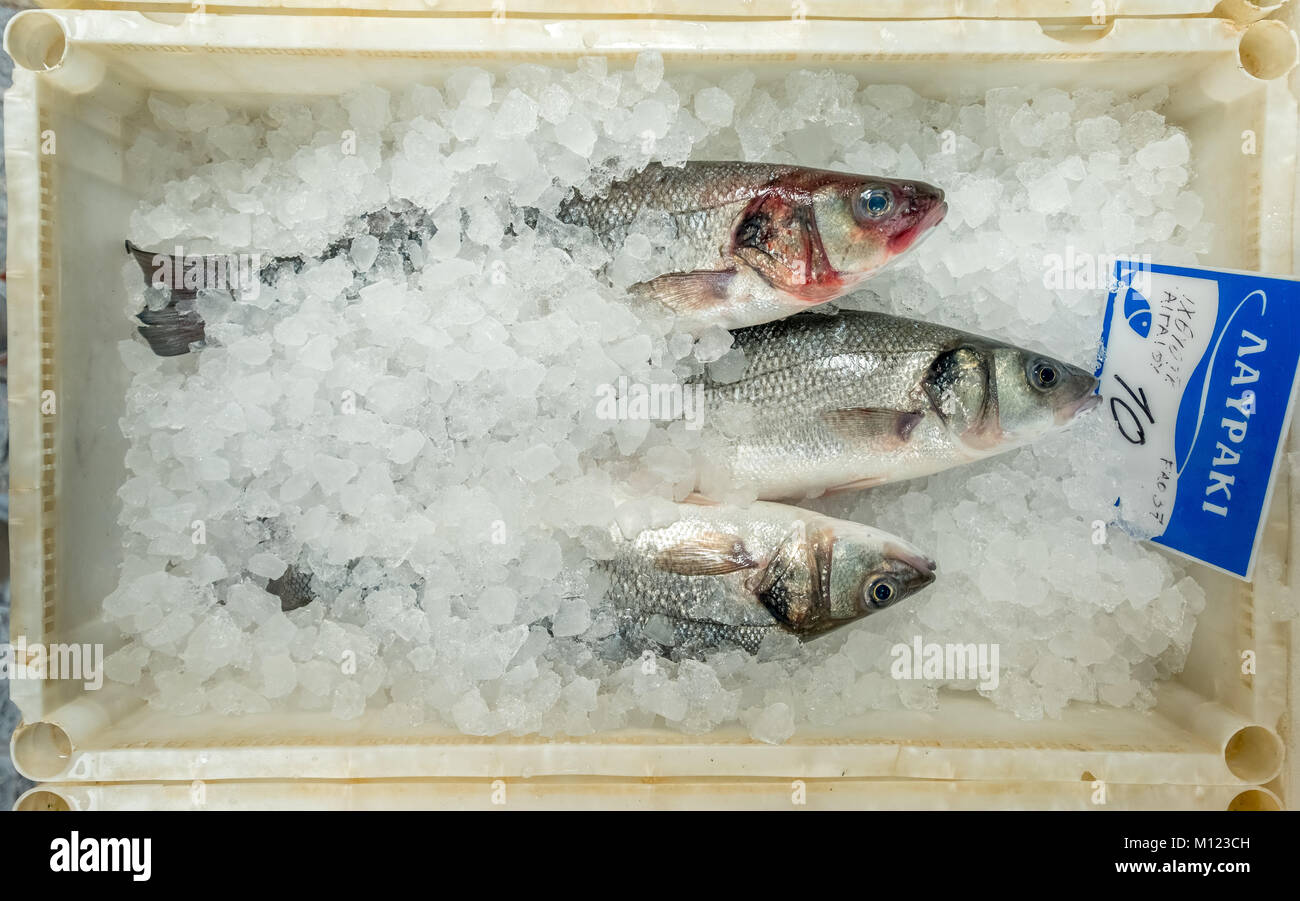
[(1253, 754), (1244, 10), (37, 41), (1268, 50), (1077, 34), (1255, 799), (41, 751), (42, 799)]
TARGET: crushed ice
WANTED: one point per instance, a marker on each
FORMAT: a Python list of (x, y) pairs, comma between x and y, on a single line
[(411, 421)]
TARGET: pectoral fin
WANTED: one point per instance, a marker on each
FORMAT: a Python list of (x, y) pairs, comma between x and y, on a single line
[(855, 485), (699, 500), (688, 292), (877, 428), (709, 554)]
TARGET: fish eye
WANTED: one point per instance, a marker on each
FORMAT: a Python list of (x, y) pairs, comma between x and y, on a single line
[(1044, 375), (882, 591), (875, 202)]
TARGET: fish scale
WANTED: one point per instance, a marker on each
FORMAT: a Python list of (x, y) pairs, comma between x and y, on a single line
[(699, 634), (698, 187), (703, 201), (815, 363)]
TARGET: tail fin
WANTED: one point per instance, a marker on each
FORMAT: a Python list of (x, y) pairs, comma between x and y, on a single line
[(171, 330)]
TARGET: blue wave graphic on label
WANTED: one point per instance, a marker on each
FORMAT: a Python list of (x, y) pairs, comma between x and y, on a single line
[(1200, 384)]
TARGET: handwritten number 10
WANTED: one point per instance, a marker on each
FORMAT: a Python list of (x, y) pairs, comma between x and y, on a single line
[(1140, 398)]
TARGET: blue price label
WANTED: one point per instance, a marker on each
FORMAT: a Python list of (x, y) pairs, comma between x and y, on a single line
[(1198, 373)]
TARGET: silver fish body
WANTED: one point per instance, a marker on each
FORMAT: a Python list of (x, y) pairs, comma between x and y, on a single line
[(858, 399), (726, 576), (759, 241)]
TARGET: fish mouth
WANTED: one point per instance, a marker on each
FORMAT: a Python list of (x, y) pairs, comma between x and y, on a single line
[(907, 238), (923, 566), (1078, 407)]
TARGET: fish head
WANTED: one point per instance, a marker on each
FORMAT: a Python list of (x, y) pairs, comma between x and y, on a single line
[(1037, 393), (992, 396), (864, 222), (837, 572)]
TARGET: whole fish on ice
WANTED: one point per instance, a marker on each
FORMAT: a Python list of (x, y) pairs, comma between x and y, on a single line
[(858, 399), (762, 241), (731, 576)]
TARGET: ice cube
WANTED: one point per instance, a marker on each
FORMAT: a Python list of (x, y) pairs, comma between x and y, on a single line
[(364, 250), (714, 106)]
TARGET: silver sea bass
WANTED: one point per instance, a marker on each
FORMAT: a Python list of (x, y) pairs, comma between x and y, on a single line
[(762, 241), (725, 575), (858, 399)]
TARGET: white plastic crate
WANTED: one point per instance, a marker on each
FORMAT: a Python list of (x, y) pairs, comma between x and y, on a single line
[(1215, 732), (642, 794), (1063, 11)]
